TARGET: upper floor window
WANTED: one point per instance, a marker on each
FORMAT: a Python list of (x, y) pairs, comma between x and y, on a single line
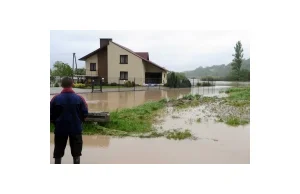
[(123, 59), (92, 66)]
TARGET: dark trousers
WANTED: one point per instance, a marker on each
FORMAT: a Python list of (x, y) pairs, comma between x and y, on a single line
[(60, 142)]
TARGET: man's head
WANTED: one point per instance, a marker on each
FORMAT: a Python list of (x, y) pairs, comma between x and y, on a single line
[(67, 82)]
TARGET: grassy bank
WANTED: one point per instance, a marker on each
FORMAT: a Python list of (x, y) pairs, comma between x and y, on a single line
[(238, 96), (233, 110), (137, 121), (236, 106)]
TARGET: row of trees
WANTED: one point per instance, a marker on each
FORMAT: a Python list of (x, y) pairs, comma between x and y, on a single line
[(244, 75)]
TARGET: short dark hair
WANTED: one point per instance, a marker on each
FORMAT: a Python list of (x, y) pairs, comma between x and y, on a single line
[(66, 82)]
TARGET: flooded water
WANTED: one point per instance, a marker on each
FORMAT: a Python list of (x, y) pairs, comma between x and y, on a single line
[(216, 143), (220, 83), (109, 101)]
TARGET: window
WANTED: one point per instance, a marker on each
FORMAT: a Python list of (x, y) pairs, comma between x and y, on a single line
[(92, 66), (123, 59), (123, 75)]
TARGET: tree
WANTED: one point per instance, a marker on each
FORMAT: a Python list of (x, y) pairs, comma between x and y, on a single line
[(52, 78), (177, 80), (238, 59), (61, 69), (80, 71), (244, 75)]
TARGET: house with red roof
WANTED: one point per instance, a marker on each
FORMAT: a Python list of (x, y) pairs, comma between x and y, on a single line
[(114, 62)]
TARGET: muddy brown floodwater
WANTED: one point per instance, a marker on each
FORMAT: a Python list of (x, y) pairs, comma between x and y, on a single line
[(216, 143), (232, 146), (109, 101)]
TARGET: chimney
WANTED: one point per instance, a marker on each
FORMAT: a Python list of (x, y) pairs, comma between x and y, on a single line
[(104, 41)]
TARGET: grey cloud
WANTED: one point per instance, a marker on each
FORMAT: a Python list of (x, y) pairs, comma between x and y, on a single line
[(175, 50)]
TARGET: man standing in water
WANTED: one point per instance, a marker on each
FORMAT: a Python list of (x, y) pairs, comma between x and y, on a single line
[(67, 112)]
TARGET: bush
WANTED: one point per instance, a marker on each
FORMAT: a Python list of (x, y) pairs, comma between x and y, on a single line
[(129, 84), (177, 80), (185, 83), (211, 78), (113, 84), (205, 84), (188, 97), (105, 84), (79, 85), (56, 85)]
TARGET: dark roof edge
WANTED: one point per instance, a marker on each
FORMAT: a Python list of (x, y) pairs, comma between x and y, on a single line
[(139, 56), (90, 54), (94, 52)]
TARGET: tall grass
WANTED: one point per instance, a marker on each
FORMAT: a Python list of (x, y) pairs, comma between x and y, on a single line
[(239, 96), (126, 121), (242, 93), (137, 119)]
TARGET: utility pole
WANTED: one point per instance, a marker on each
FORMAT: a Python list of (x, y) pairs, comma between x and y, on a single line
[(74, 61)]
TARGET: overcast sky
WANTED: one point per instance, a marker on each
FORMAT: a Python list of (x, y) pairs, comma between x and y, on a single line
[(174, 50)]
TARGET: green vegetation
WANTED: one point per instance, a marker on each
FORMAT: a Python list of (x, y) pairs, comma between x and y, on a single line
[(238, 96), (236, 107), (221, 72), (205, 84), (219, 120), (175, 134), (137, 121), (210, 78), (61, 69), (186, 101), (237, 61), (56, 85), (191, 97), (52, 78), (179, 135), (235, 121), (80, 71), (79, 85), (129, 121), (177, 80), (129, 84)]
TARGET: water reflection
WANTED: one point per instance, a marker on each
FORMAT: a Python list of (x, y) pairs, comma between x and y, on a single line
[(94, 140), (109, 101)]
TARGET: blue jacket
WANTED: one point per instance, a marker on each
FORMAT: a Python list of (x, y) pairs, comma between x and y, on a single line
[(67, 112)]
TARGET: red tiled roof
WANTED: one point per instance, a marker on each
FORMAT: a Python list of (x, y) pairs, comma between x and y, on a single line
[(144, 55)]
